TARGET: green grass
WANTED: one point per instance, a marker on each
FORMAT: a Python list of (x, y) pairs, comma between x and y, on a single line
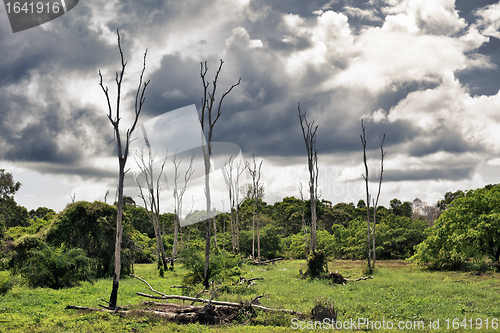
[(399, 292)]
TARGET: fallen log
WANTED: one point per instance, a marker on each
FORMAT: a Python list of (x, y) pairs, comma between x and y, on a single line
[(272, 261), (243, 280), (230, 304), (339, 279)]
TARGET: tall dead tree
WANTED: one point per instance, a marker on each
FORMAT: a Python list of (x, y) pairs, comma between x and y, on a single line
[(239, 171), (371, 246), (178, 195), (149, 186), (255, 174), (228, 174), (375, 204), (304, 226), (233, 190), (309, 134), (210, 113), (122, 152)]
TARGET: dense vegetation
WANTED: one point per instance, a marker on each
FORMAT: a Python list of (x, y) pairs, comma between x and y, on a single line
[(80, 239)]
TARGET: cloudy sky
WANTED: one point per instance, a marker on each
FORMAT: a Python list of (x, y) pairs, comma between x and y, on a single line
[(423, 72)]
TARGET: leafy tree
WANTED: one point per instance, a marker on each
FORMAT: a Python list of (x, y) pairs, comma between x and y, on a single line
[(448, 198), (468, 228), (401, 209), (91, 226), (10, 213), (42, 213), (398, 235), (7, 185)]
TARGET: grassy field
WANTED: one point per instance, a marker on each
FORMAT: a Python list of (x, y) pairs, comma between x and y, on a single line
[(399, 294)]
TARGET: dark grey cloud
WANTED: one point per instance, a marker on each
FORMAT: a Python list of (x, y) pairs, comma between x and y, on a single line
[(174, 85), (481, 81), (442, 139), (484, 81), (260, 115), (454, 174)]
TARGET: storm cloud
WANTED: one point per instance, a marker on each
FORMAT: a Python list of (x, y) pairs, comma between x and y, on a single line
[(424, 73)]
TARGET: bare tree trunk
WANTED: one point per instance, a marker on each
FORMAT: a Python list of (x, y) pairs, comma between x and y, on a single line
[(215, 233), (223, 225), (309, 133), (207, 107), (228, 174), (365, 177), (122, 158), (378, 195), (178, 195), (152, 198), (302, 210), (239, 172), (253, 232), (255, 173)]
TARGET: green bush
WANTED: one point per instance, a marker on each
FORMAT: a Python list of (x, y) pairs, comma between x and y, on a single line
[(6, 283), (144, 250), (56, 267), (317, 263), (21, 249), (222, 266)]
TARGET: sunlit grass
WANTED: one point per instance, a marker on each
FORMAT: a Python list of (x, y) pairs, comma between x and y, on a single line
[(397, 292)]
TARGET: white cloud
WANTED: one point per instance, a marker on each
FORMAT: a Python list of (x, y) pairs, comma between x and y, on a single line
[(436, 17), (450, 104), (241, 37), (489, 20), (369, 15), (390, 58), (331, 39)]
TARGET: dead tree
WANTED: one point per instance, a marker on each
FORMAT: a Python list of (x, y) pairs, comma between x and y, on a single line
[(178, 195), (365, 177), (382, 154), (233, 190), (255, 173), (223, 222), (228, 174), (212, 110), (309, 134), (371, 246), (239, 171), (122, 152), (304, 226), (149, 192)]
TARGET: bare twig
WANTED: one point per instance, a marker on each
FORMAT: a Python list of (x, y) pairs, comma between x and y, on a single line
[(138, 278)]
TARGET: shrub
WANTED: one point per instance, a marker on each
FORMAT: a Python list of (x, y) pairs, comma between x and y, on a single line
[(317, 263), (19, 254), (56, 267), (6, 282), (222, 266), (324, 309)]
